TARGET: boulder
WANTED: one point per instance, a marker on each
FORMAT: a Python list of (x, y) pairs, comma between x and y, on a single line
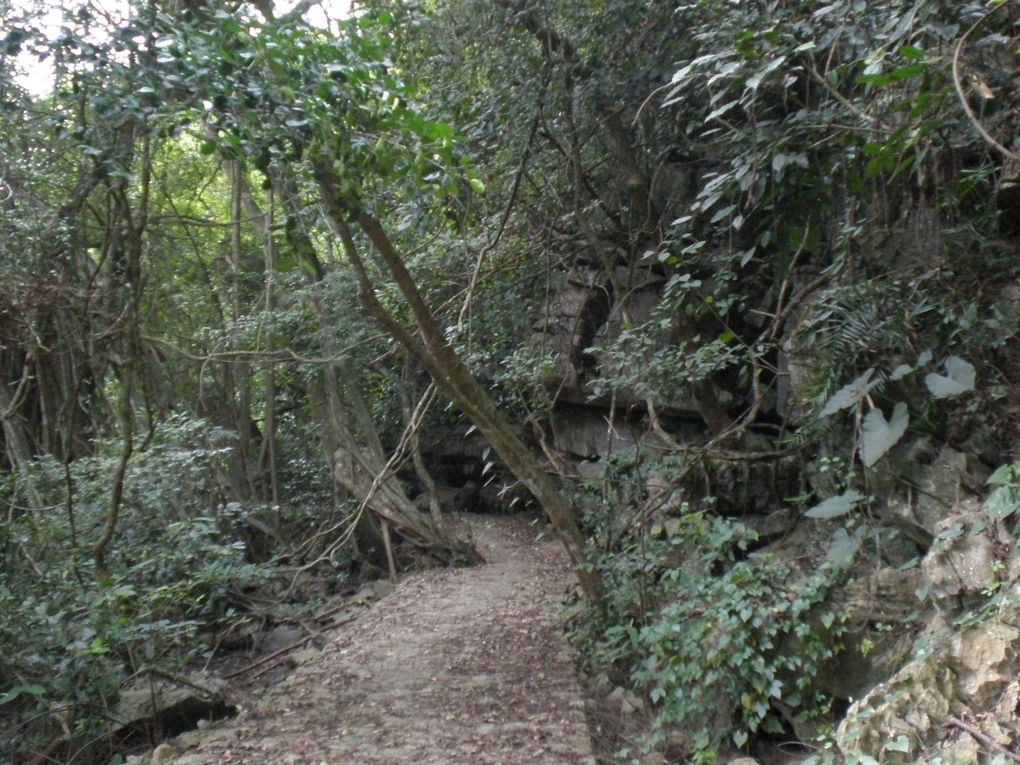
[(775, 525), (984, 660), (576, 305), (968, 675), (170, 707), (279, 637), (584, 433), (952, 475), (899, 718), (963, 562)]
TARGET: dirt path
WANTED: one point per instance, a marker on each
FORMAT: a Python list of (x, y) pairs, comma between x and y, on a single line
[(456, 667)]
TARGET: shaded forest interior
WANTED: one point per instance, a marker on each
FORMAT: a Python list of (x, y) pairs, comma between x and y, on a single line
[(727, 293)]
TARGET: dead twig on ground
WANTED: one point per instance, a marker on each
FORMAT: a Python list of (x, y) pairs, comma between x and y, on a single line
[(982, 738), (273, 659)]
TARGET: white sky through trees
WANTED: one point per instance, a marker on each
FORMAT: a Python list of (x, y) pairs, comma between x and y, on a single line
[(37, 76)]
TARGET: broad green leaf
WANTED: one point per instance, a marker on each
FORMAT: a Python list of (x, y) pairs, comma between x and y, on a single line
[(896, 75), (901, 744), (771, 725), (880, 436), (19, 690), (948, 535), (905, 369), (901, 371), (756, 79), (959, 378), (1002, 503), (834, 507), (850, 394), (844, 547), (1004, 475)]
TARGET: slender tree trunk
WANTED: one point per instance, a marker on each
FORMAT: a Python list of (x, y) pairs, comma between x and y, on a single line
[(18, 452), (126, 242), (406, 387), (240, 374), (101, 547), (270, 392)]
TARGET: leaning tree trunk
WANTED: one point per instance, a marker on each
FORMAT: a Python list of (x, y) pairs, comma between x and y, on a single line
[(360, 461), (451, 374)]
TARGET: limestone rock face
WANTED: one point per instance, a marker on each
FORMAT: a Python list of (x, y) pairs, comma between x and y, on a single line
[(984, 660), (576, 307), (914, 703), (970, 675), (962, 563), (888, 596), (953, 474), (587, 307)]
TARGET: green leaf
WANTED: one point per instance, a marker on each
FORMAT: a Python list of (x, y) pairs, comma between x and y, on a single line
[(901, 371), (1002, 503), (901, 744), (1005, 475), (834, 507), (19, 690), (476, 185), (850, 394), (896, 75), (905, 369), (880, 436), (947, 535), (960, 378), (844, 547)]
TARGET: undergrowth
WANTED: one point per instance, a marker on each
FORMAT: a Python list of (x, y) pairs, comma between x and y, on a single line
[(71, 639), (723, 641)]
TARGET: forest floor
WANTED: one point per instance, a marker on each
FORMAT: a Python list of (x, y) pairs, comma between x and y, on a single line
[(456, 667)]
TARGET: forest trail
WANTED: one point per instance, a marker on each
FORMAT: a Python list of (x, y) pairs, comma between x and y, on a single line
[(455, 667)]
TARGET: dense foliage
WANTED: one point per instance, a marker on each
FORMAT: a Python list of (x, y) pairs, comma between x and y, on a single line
[(242, 251)]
